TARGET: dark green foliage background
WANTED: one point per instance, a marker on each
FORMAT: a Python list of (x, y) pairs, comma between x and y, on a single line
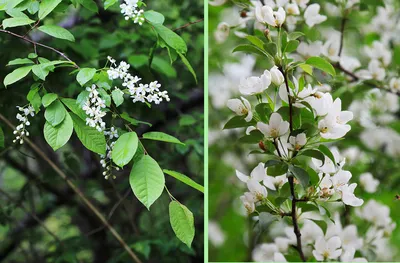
[(34, 184)]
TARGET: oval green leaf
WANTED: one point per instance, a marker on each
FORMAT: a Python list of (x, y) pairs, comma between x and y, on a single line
[(184, 179), (125, 148), (48, 99), (55, 113), (85, 75), (160, 136), (182, 222), (58, 136), (16, 75), (321, 64), (57, 32), (147, 180), (91, 138)]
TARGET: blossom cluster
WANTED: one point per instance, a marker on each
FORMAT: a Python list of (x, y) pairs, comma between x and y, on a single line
[(139, 92), (94, 107), (130, 9), (20, 131), (106, 161), (272, 13)]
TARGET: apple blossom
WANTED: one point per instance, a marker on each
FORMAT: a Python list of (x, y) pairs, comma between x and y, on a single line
[(265, 14), (312, 16), (276, 127), (368, 182), (327, 249), (241, 108), (255, 85)]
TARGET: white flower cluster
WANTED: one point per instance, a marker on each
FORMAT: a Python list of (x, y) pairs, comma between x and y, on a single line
[(334, 181), (332, 125), (338, 243), (94, 108), (272, 13), (106, 161), (139, 92), (130, 9), (21, 131)]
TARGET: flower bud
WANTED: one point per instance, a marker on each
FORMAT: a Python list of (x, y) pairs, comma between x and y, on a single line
[(262, 146)]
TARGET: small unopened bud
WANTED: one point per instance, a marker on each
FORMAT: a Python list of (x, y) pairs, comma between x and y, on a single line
[(266, 33), (243, 14), (262, 146)]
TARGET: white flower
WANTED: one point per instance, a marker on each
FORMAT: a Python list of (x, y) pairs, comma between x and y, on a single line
[(312, 16), (368, 182), (275, 182), (292, 9), (266, 253), (257, 174), (130, 11), (257, 189), (298, 141), (340, 179), (380, 52), (249, 200), (395, 85), (327, 249), (302, 3), (266, 15), (276, 76), (20, 130), (381, 215), (276, 127), (215, 234), (334, 125), (332, 46), (255, 85), (310, 50), (241, 108), (222, 32), (348, 196), (374, 71)]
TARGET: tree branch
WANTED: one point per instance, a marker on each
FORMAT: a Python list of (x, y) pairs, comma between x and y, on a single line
[(189, 24), (78, 192), (289, 99), (39, 44), (294, 219)]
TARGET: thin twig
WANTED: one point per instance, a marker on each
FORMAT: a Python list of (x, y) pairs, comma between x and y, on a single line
[(78, 192), (294, 219), (289, 99), (189, 24), (39, 44), (343, 24)]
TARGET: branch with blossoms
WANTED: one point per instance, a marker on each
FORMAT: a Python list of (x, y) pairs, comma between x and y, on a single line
[(95, 114), (290, 114)]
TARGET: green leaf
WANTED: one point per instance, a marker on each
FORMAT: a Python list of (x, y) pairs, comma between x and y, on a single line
[(40, 71), (20, 61), (57, 32), (264, 111), (307, 68), (118, 97), (292, 46), (90, 137), (238, 122), (300, 175), (277, 169), (133, 121), (58, 136), (160, 136), (84, 75), (314, 154), (1, 138), (251, 49), (186, 120), (272, 163), (253, 138), (74, 107), (89, 5), (55, 113), (325, 150), (109, 3), (46, 7), (147, 180), (184, 179), (295, 35), (187, 64), (48, 99), (34, 97), (17, 21), (125, 148), (171, 38), (154, 17), (322, 64), (163, 66), (271, 48), (255, 41), (265, 220), (16, 75), (182, 222)]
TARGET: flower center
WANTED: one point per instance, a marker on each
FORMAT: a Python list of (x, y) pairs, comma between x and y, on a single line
[(274, 132), (324, 130)]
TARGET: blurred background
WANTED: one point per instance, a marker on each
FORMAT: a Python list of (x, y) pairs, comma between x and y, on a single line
[(372, 146), (29, 187)]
